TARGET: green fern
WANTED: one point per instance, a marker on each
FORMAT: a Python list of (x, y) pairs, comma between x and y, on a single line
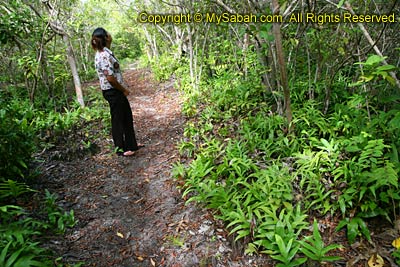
[(314, 248), (11, 188)]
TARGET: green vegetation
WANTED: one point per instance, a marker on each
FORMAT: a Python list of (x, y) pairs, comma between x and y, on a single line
[(266, 176), (37, 115), (314, 248), (23, 131), (265, 183)]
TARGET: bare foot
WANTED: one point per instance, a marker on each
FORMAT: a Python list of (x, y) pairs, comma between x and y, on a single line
[(129, 153)]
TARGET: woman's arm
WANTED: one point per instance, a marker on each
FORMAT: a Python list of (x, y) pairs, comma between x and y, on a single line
[(115, 84)]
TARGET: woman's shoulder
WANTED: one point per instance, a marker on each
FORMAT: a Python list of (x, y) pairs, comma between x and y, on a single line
[(102, 54), (107, 50)]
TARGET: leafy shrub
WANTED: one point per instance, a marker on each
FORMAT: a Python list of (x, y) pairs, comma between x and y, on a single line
[(165, 66), (17, 144), (13, 189), (58, 219), (396, 256), (127, 45), (314, 248), (17, 232), (23, 129), (20, 233), (263, 181)]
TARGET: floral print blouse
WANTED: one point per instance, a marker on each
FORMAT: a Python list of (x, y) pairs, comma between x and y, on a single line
[(107, 64)]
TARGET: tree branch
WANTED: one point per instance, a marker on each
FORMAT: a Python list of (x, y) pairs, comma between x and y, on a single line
[(227, 8), (169, 4), (336, 5), (372, 43)]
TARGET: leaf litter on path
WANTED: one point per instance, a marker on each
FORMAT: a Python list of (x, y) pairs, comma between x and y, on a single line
[(129, 211)]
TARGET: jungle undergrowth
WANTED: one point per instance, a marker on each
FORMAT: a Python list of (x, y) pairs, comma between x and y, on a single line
[(268, 184)]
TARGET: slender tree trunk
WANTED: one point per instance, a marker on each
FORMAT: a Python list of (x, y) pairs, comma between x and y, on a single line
[(58, 28), (202, 62), (178, 42), (191, 53), (263, 57), (83, 55), (245, 47), (282, 64), (74, 70), (151, 50), (156, 54)]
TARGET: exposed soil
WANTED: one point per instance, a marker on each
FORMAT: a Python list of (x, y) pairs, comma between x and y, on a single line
[(129, 209)]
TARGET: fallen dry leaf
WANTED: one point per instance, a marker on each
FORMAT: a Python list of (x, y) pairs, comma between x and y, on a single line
[(153, 263), (120, 235), (396, 243), (376, 261)]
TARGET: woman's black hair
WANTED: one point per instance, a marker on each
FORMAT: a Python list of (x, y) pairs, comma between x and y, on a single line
[(99, 38)]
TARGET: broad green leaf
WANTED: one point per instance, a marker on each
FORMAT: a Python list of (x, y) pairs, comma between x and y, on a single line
[(309, 251), (352, 230), (340, 4), (391, 80), (330, 247), (373, 60), (266, 36), (342, 224), (3, 254), (281, 245), (241, 234), (26, 261), (318, 243), (13, 258), (364, 228), (332, 258), (326, 143), (7, 207), (386, 68), (352, 149)]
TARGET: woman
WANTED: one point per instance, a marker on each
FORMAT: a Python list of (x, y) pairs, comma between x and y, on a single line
[(114, 91)]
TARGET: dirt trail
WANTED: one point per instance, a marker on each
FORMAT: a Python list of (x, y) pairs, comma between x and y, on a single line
[(129, 211)]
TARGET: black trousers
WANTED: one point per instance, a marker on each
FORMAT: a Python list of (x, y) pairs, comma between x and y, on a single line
[(123, 132)]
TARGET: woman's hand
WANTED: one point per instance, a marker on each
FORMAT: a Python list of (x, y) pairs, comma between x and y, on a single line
[(115, 84)]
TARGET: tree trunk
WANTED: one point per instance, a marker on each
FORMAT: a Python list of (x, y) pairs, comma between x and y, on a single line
[(74, 71), (282, 64), (191, 54), (152, 52), (58, 28)]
